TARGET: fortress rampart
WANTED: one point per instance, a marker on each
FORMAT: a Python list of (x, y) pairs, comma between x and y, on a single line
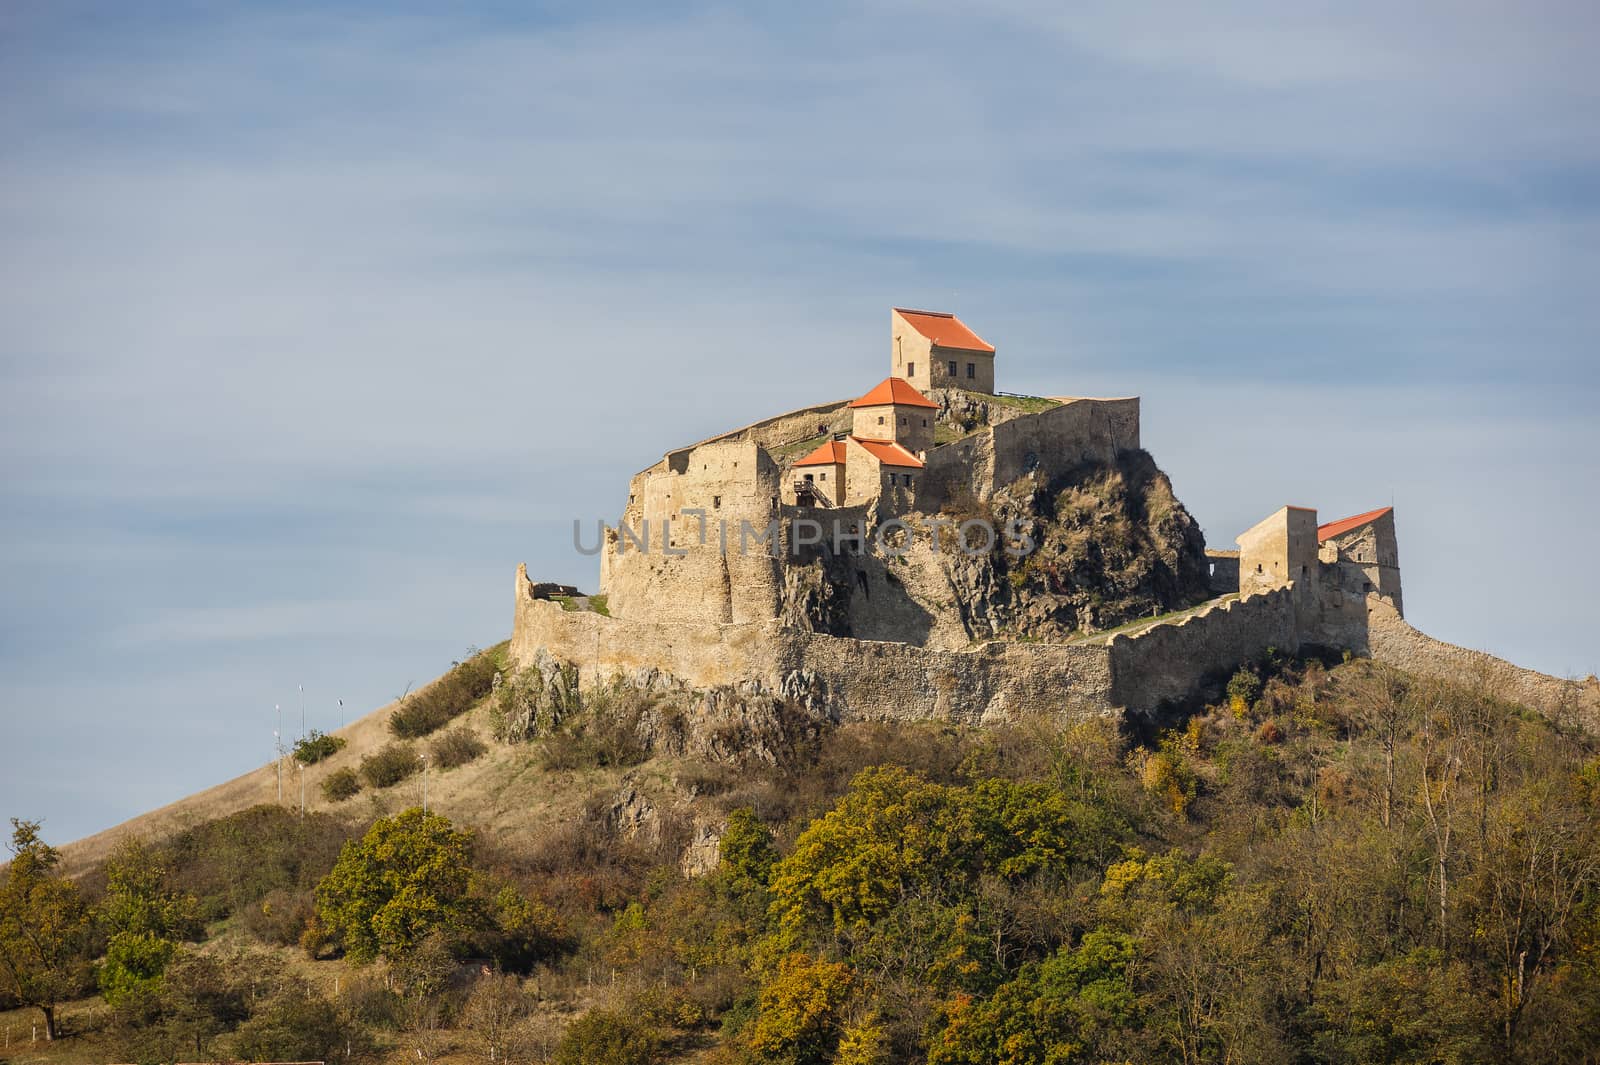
[(853, 679), (1169, 662), (1391, 639), (1051, 441)]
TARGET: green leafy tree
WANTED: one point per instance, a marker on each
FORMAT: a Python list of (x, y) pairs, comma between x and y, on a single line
[(1071, 1008), (746, 848), (408, 877), (44, 927), (146, 920)]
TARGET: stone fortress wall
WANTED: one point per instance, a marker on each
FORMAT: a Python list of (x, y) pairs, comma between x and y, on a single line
[(851, 679)]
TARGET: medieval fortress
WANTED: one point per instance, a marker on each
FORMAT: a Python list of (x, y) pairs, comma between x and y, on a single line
[(825, 555)]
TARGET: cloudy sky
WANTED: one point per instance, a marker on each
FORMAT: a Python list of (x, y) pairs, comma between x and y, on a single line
[(315, 320)]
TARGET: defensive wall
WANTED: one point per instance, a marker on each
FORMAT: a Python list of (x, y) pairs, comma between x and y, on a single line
[(1168, 662), (892, 680), (854, 679), (1392, 640), (1051, 441)]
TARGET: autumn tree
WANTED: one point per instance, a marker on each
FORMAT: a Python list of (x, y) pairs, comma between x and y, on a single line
[(409, 876), (44, 927)]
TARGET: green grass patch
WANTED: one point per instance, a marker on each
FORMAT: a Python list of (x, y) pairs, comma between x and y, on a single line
[(1031, 404)]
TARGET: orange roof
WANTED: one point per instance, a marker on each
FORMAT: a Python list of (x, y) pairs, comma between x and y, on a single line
[(831, 453), (890, 453), (896, 390), (945, 330), (1344, 525)]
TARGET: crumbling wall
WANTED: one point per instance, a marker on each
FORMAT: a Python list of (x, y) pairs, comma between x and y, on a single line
[(1392, 640), (1170, 662)]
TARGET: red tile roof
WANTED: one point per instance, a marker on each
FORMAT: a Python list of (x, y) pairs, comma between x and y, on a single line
[(1344, 525), (945, 330), (896, 390), (831, 453), (890, 453)]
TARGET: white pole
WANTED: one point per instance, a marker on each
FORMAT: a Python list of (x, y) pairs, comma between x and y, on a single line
[(341, 713)]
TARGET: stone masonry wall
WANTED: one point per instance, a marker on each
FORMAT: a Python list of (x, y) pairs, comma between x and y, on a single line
[(1168, 662), (853, 679), (1391, 639), (1052, 441)]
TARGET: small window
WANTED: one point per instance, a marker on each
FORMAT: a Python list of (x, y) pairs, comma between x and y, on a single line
[(952, 367), (1258, 565), (823, 475), (902, 420), (924, 423), (808, 478), (880, 419), (716, 501), (911, 369), (972, 370)]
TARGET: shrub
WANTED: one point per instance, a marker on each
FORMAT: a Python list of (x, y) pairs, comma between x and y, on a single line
[(233, 862), (297, 1025), (280, 918), (446, 699), (602, 1036), (389, 766), (456, 747), (317, 746), (341, 784)]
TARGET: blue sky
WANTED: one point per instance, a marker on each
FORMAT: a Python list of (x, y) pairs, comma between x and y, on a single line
[(315, 320)]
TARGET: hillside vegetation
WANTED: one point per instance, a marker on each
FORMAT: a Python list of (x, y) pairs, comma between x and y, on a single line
[(1338, 864)]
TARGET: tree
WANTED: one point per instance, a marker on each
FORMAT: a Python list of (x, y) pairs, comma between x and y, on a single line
[(1068, 1009), (44, 926), (802, 1012), (409, 876), (145, 920), (492, 1013), (746, 847)]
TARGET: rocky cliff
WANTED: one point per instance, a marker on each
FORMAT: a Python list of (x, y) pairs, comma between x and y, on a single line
[(1112, 544)]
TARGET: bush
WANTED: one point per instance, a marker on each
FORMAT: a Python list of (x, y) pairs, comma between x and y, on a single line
[(297, 1025), (602, 1036), (456, 747), (389, 766), (446, 699), (281, 917), (317, 746), (233, 862), (341, 784)]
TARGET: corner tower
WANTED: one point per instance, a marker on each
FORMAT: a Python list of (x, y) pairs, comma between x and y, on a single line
[(932, 349)]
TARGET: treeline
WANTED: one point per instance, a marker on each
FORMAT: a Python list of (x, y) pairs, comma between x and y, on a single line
[(1334, 865)]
